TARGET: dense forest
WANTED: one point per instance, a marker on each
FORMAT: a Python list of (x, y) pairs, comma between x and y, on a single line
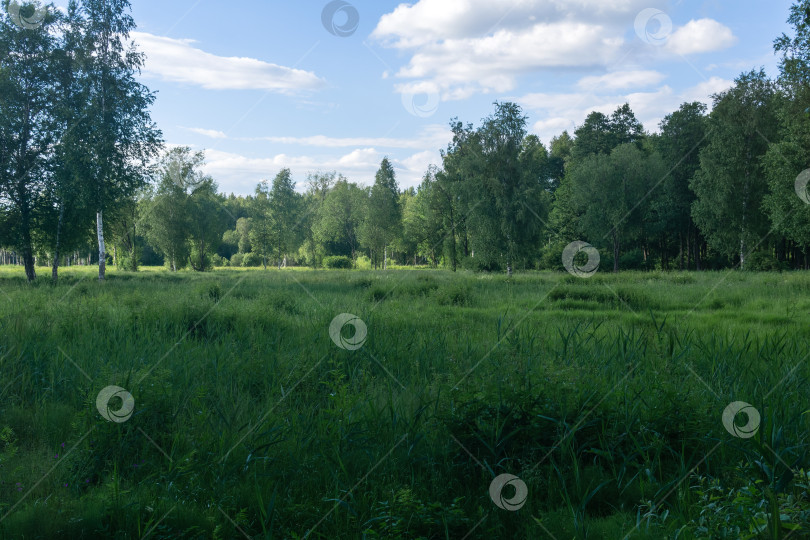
[(86, 179)]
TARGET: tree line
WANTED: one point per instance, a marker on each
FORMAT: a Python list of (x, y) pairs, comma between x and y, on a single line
[(81, 161)]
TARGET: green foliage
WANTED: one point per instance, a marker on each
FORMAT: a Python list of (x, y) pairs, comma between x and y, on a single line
[(169, 221), (236, 259), (252, 259), (787, 158), (339, 216), (747, 512), (422, 219), (363, 263), (634, 260), (669, 219), (559, 155), (407, 515), (218, 261), (116, 139), (383, 219), (551, 256), (29, 107), (763, 262), (587, 392), (600, 134), (730, 184), (275, 228), (338, 261), (608, 191), (206, 222)]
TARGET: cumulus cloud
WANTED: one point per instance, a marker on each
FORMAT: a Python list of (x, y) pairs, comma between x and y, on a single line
[(566, 111), (359, 159), (177, 60), (461, 67), (464, 47), (699, 36), (429, 21)]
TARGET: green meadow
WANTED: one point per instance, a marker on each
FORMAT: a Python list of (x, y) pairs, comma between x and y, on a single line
[(603, 396)]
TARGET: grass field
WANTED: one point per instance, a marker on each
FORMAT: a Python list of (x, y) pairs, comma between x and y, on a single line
[(604, 396)]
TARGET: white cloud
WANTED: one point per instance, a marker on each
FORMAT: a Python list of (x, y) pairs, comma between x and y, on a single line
[(460, 67), (236, 173), (622, 79), (565, 111), (419, 163), (469, 46), (464, 47), (704, 90), (429, 21), (433, 135), (178, 61), (699, 36), (360, 159), (553, 126), (214, 134)]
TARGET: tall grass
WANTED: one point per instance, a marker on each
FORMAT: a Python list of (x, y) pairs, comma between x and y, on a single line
[(603, 395)]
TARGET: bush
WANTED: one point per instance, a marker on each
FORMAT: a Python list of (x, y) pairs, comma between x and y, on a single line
[(363, 263), (218, 261), (210, 290), (337, 261), (454, 295), (252, 259), (551, 257), (479, 264), (633, 260), (763, 262), (236, 259), (716, 261)]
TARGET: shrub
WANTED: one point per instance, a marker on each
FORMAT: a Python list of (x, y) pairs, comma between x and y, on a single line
[(214, 291), (479, 264), (763, 262), (199, 264), (252, 259), (633, 260), (218, 261), (337, 261), (551, 257), (454, 295), (236, 259), (363, 263)]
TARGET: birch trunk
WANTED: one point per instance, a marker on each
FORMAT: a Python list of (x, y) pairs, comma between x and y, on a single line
[(102, 253), (615, 252), (55, 269)]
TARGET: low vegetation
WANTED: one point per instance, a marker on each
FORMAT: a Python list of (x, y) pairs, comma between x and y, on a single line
[(604, 395)]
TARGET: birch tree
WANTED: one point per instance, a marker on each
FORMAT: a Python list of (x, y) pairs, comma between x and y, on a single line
[(119, 138), (731, 183)]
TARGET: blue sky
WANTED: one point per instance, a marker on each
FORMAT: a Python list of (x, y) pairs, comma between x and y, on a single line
[(262, 85)]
